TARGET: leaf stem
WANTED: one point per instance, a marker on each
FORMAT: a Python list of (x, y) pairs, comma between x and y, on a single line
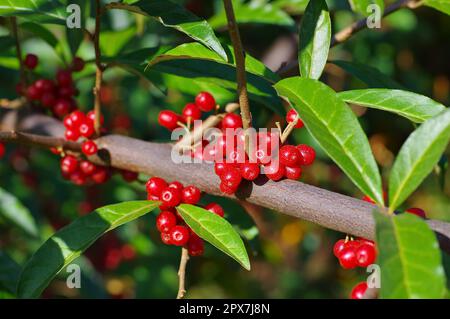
[(182, 273), (99, 70), (15, 34)]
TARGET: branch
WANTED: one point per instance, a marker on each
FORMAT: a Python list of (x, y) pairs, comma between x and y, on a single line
[(328, 209), (99, 71), (182, 273), (39, 140), (355, 27), (240, 65)]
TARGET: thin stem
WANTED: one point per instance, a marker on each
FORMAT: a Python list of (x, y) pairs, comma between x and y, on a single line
[(182, 273), (15, 34), (240, 65), (38, 140), (99, 71)]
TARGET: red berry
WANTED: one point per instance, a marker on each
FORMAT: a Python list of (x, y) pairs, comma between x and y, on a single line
[(45, 85), (166, 239), (289, 155), (205, 101), (20, 90), (87, 168), (308, 154), (101, 175), (64, 78), (231, 120), (33, 93), (231, 178), (128, 252), (416, 211), (77, 64), (2, 150), (215, 208), (191, 112), (86, 129), (190, 195), (347, 257), (368, 199), (293, 172), (72, 135), (165, 221), (69, 164), (249, 171), (31, 61), (359, 290), (224, 188), (91, 116), (129, 176), (365, 255), (177, 185), (66, 91), (155, 186), (89, 148), (195, 246), (168, 119), (62, 107), (237, 156), (338, 246), (67, 121), (179, 235), (77, 118), (220, 168), (78, 178), (48, 99), (291, 116), (170, 197), (275, 171)]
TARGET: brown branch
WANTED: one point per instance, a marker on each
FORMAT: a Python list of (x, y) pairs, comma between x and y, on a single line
[(328, 209), (39, 140), (99, 71), (354, 28), (240, 65), (12, 104), (182, 273)]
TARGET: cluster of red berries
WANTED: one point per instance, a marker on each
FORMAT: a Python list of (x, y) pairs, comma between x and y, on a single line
[(56, 95), (204, 102), (171, 226)]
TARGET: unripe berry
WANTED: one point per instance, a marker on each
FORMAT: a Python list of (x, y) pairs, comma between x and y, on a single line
[(168, 119), (165, 221), (191, 112), (308, 154), (69, 164), (170, 197), (89, 148), (291, 116), (249, 171), (155, 186), (215, 208), (190, 195), (31, 61), (179, 235), (231, 120), (359, 290), (289, 155), (205, 101)]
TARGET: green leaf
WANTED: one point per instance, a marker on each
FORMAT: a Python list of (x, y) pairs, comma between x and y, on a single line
[(417, 157), (40, 31), (175, 16), (75, 35), (294, 7), (9, 273), (35, 10), (409, 258), (258, 13), (315, 38), (215, 230), (336, 128), (371, 76), (71, 241), (441, 5), (6, 42), (416, 107), (14, 211), (112, 42), (361, 6)]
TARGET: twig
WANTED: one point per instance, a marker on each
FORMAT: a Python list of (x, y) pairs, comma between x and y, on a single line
[(18, 50), (182, 273), (240, 67), (354, 28), (39, 140), (12, 104), (99, 71)]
